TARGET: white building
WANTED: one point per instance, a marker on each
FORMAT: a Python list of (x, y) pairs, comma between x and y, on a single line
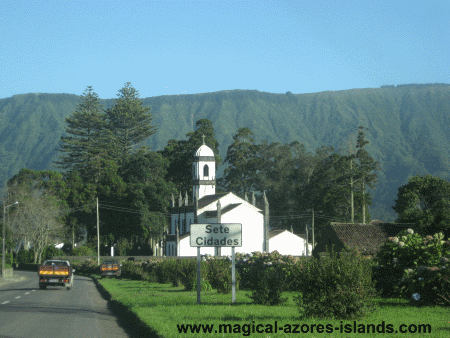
[(208, 207), (287, 243)]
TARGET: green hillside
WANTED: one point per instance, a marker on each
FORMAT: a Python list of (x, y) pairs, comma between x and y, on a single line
[(409, 126)]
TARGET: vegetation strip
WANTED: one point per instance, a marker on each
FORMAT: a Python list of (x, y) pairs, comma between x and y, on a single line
[(165, 308)]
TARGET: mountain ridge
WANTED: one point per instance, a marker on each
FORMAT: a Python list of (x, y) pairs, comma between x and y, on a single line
[(409, 126)]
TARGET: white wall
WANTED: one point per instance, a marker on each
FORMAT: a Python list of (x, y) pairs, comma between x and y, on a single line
[(252, 231), (287, 243)]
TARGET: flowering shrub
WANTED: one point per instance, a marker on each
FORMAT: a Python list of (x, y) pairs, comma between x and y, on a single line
[(167, 272), (187, 272), (430, 285), (134, 270), (403, 266), (267, 274), (245, 264), (336, 287), (218, 272)]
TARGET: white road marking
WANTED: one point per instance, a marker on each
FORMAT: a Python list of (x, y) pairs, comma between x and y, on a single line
[(26, 293), (17, 297), (5, 302)]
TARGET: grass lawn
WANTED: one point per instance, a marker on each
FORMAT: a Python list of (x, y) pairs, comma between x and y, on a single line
[(163, 307)]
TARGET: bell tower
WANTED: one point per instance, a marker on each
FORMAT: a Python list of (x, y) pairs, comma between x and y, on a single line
[(203, 172)]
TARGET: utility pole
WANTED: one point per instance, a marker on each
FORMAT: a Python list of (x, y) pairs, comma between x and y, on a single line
[(4, 234), (98, 236), (351, 192), (3, 238), (312, 228), (306, 241)]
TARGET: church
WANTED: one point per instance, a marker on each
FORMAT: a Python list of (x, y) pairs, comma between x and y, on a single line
[(206, 206)]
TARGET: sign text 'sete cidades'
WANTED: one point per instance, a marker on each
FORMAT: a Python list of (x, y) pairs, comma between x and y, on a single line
[(216, 234)]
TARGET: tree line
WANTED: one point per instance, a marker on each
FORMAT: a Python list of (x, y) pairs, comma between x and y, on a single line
[(101, 156)]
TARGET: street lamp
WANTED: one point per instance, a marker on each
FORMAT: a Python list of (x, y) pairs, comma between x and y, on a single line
[(4, 234)]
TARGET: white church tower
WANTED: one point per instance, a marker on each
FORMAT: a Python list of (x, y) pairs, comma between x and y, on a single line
[(203, 172)]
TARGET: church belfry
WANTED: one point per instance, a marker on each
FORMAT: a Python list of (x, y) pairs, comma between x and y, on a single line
[(203, 172)]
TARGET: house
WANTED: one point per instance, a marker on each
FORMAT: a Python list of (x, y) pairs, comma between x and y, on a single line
[(366, 238), (287, 243)]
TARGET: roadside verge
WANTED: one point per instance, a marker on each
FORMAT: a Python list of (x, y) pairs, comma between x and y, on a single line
[(127, 318)]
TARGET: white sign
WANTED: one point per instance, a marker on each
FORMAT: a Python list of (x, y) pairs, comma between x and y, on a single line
[(216, 234)]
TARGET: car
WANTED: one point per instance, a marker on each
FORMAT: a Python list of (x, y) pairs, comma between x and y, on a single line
[(110, 267)]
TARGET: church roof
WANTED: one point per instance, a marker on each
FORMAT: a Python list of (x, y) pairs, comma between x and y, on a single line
[(208, 199), (213, 213), (204, 150)]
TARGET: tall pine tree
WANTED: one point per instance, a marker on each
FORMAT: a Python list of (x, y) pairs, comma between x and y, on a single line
[(129, 121), (85, 141)]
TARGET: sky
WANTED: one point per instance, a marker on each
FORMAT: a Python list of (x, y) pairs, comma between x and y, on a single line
[(188, 47)]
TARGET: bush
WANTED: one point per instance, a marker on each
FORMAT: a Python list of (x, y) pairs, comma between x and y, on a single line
[(149, 268), (167, 272), (134, 270), (86, 267), (204, 285), (218, 273), (83, 251), (267, 275), (187, 271), (339, 286), (431, 285), (50, 251), (401, 260), (25, 256)]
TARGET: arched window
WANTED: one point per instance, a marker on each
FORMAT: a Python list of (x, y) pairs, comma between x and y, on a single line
[(206, 170)]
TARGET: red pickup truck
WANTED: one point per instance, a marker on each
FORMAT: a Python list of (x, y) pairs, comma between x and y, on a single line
[(55, 273)]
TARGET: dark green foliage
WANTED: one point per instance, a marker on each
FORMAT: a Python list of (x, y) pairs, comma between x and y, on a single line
[(205, 285), (187, 272), (134, 270), (241, 174), (25, 256), (267, 275), (50, 252), (83, 251), (218, 273), (180, 154), (86, 267), (128, 120), (167, 271), (401, 118), (84, 147), (410, 263), (425, 201), (432, 284), (336, 286)]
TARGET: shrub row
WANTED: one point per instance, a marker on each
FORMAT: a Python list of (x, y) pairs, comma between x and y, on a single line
[(337, 285)]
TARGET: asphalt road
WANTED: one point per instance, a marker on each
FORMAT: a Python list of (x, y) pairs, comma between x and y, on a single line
[(26, 311)]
